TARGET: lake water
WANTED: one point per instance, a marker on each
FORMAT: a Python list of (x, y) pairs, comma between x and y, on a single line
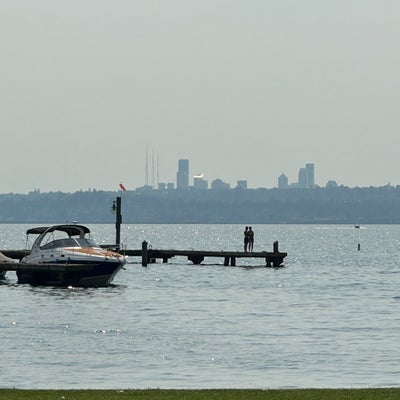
[(329, 318)]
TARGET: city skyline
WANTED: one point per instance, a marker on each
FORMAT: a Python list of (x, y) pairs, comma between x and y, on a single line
[(305, 180), (184, 180), (245, 91)]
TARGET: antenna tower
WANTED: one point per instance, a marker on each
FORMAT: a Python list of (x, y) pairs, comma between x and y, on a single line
[(158, 169), (152, 168), (147, 166)]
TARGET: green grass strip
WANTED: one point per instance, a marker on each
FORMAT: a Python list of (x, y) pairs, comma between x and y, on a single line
[(207, 394)]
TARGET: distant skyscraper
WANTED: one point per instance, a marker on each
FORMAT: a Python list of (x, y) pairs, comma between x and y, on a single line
[(283, 182), (302, 181), (310, 175), (182, 176), (199, 183)]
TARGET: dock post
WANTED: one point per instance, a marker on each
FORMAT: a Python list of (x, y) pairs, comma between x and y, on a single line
[(226, 261), (277, 262), (276, 247), (233, 261), (118, 221), (145, 256), (196, 258)]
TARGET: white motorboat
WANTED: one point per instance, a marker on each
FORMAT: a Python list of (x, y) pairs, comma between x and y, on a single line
[(73, 257)]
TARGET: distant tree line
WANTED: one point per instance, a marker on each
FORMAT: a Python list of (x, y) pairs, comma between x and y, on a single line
[(341, 205)]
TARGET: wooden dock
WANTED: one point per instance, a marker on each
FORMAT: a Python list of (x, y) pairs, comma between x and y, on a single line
[(197, 257), (149, 255)]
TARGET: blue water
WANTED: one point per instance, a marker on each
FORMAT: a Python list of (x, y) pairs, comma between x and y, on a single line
[(330, 318)]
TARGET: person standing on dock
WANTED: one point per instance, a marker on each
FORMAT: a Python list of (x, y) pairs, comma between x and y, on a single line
[(246, 238), (250, 234)]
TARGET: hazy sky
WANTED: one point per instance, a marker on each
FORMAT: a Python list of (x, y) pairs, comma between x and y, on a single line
[(243, 89)]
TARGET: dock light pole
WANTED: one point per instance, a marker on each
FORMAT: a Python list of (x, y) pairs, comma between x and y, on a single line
[(116, 208)]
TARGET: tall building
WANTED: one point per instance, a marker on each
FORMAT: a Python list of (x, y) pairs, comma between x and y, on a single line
[(310, 175), (303, 181), (283, 182), (305, 178), (182, 176), (199, 183)]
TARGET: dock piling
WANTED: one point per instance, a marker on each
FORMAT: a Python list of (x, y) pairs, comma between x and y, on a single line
[(196, 258), (145, 254), (116, 208), (232, 260)]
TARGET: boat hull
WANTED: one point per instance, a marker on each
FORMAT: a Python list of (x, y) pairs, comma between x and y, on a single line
[(61, 274)]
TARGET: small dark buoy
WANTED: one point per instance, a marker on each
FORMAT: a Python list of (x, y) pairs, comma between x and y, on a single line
[(359, 247)]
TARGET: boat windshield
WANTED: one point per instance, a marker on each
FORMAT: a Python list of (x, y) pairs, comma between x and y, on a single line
[(86, 242), (69, 242)]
